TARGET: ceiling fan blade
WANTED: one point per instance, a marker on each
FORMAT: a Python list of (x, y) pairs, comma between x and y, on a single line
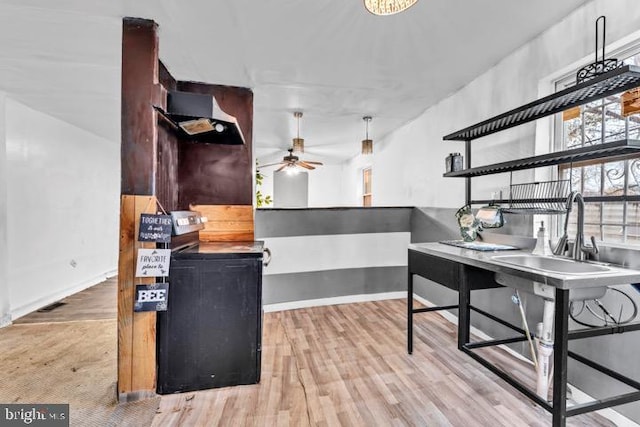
[(305, 165), (312, 163), (281, 167), (269, 164)]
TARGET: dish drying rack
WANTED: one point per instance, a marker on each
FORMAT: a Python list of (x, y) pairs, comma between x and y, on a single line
[(545, 197)]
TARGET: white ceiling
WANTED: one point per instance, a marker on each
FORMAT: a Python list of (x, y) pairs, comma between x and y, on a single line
[(330, 59)]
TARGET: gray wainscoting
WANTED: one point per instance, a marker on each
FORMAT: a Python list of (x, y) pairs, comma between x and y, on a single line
[(327, 221), (312, 285)]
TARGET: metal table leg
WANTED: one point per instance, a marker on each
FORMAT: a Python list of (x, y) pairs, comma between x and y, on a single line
[(560, 353), (464, 311), (410, 313)]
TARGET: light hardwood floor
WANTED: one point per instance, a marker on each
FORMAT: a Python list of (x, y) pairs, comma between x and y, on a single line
[(347, 365)]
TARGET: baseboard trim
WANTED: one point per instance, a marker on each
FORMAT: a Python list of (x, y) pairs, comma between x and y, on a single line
[(346, 299), (51, 298), (5, 321), (577, 395)]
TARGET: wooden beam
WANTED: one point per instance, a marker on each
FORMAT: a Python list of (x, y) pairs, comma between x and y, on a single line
[(136, 331), (140, 89)]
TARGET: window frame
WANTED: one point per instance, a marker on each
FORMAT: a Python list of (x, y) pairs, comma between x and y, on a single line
[(367, 197), (601, 201)]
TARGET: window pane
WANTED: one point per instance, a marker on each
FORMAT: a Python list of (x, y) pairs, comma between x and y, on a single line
[(613, 213), (633, 222), (592, 213), (591, 221), (593, 123), (573, 132), (614, 126), (634, 177), (634, 127), (592, 176), (576, 177), (614, 179), (367, 181), (612, 233)]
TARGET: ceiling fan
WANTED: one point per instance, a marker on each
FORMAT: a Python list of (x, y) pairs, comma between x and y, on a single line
[(291, 161)]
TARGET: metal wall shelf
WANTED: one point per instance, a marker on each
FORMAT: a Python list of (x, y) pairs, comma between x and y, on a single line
[(609, 149), (616, 81)]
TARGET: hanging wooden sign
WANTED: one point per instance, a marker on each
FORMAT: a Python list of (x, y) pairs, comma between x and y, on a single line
[(570, 114), (153, 262), (151, 297), (630, 101), (155, 228)]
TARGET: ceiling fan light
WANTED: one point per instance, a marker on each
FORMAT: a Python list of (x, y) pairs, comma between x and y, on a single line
[(298, 145), (367, 146), (388, 7)]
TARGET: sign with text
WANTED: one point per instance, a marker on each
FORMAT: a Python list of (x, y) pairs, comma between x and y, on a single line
[(155, 228), (153, 262), (151, 297)]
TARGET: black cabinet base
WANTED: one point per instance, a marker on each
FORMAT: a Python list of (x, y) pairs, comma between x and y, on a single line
[(211, 334)]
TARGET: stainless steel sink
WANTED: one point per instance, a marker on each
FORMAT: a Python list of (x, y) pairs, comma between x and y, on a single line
[(552, 265)]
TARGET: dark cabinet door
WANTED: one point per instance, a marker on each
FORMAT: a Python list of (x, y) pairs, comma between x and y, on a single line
[(210, 335)]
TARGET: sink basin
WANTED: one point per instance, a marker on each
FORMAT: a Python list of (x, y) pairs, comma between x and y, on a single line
[(552, 265)]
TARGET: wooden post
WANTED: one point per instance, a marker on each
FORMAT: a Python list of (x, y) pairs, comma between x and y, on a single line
[(140, 89), (136, 331)]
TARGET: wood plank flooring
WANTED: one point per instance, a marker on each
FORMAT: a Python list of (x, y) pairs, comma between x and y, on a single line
[(344, 365), (347, 365)]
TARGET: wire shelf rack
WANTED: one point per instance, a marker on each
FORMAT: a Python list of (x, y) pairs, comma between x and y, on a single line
[(546, 197)]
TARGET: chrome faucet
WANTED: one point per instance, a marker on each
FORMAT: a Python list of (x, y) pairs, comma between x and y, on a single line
[(580, 250)]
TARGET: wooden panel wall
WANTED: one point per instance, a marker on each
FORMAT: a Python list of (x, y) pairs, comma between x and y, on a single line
[(226, 223), (136, 331)]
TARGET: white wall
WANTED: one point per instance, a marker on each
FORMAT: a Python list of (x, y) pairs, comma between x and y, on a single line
[(409, 163), (326, 187), (62, 208), (5, 306), (290, 189)]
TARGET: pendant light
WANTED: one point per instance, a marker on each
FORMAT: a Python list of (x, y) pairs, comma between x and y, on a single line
[(367, 144), (298, 143), (388, 7)]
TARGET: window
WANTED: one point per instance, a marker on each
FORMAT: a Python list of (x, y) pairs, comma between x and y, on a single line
[(366, 187), (611, 188)]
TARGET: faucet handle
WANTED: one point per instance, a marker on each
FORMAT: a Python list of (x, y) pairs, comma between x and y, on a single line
[(592, 250), (594, 247)]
